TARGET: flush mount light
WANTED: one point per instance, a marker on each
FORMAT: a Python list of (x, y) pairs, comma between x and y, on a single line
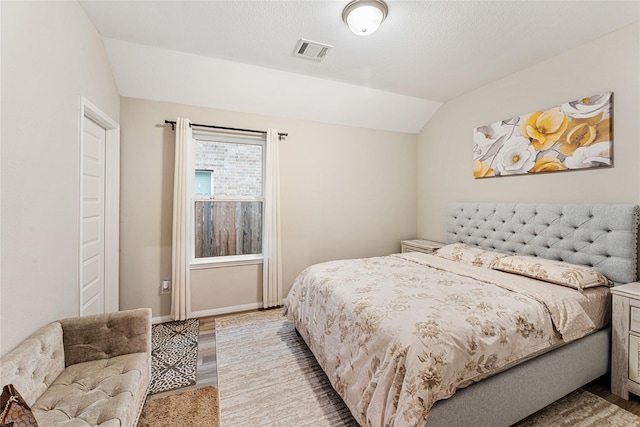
[(364, 16)]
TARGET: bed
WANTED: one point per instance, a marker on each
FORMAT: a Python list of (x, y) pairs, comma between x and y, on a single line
[(534, 341)]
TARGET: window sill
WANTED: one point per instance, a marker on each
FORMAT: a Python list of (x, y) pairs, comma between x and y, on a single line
[(226, 261)]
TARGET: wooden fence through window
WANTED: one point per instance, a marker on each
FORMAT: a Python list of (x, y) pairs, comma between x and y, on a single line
[(228, 228)]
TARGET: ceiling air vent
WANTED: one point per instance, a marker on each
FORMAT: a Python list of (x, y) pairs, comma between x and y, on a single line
[(312, 50)]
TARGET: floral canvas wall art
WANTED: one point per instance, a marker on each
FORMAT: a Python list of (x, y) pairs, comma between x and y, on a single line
[(575, 135)]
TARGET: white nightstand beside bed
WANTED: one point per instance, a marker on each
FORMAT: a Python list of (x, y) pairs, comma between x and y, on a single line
[(420, 245), (625, 342)]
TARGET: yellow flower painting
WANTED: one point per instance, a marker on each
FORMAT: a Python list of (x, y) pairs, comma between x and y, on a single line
[(574, 135)]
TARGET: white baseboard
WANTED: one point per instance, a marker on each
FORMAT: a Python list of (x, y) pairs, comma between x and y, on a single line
[(226, 310), (161, 319), (212, 312)]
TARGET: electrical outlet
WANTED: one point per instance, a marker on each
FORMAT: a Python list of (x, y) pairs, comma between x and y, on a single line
[(165, 287)]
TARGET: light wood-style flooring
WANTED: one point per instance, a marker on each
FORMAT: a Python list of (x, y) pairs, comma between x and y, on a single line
[(207, 371)]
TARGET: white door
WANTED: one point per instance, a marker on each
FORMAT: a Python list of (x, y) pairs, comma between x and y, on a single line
[(92, 242)]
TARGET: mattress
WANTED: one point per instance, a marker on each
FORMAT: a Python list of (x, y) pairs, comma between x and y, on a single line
[(396, 334)]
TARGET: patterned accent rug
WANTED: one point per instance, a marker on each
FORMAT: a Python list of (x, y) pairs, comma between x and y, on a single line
[(174, 355), (267, 376), (193, 408)]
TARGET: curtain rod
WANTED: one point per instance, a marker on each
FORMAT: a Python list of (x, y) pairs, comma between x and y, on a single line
[(281, 135)]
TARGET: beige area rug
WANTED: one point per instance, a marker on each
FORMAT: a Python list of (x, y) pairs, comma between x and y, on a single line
[(581, 409), (193, 408), (268, 377)]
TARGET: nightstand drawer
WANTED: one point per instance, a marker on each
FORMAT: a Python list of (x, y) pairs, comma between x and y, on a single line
[(634, 359), (635, 320), (406, 249)]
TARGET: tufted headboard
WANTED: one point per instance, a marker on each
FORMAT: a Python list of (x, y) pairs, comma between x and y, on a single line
[(600, 236)]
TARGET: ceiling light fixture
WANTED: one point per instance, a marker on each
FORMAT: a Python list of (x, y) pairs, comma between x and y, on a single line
[(364, 16)]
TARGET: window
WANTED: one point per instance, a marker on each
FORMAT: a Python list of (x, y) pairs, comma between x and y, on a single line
[(228, 197), (203, 183)]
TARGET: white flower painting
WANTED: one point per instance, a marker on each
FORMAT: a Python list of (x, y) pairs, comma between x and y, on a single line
[(575, 135)]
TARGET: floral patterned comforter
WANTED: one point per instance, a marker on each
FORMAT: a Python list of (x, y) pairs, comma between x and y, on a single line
[(397, 333)]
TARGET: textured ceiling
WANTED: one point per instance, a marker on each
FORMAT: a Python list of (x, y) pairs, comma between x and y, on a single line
[(434, 50)]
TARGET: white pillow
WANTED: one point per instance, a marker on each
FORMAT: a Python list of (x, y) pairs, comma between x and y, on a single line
[(469, 255), (561, 273)]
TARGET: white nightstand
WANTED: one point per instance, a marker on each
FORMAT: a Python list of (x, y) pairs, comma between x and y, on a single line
[(625, 340), (426, 246)]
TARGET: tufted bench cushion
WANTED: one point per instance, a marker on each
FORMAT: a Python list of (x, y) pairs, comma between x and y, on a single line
[(101, 392), (84, 371)]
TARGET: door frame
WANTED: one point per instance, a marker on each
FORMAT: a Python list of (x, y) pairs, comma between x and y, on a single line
[(111, 204)]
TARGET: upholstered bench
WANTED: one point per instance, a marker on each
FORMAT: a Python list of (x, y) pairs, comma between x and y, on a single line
[(85, 371)]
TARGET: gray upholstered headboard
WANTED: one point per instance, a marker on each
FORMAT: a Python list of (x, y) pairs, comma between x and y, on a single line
[(600, 236)]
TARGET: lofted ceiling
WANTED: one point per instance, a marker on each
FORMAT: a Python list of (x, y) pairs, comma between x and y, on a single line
[(425, 53)]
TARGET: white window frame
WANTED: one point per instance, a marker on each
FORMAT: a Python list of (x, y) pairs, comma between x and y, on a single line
[(230, 260)]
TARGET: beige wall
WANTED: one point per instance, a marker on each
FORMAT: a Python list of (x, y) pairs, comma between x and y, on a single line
[(346, 192), (445, 159), (51, 55)]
